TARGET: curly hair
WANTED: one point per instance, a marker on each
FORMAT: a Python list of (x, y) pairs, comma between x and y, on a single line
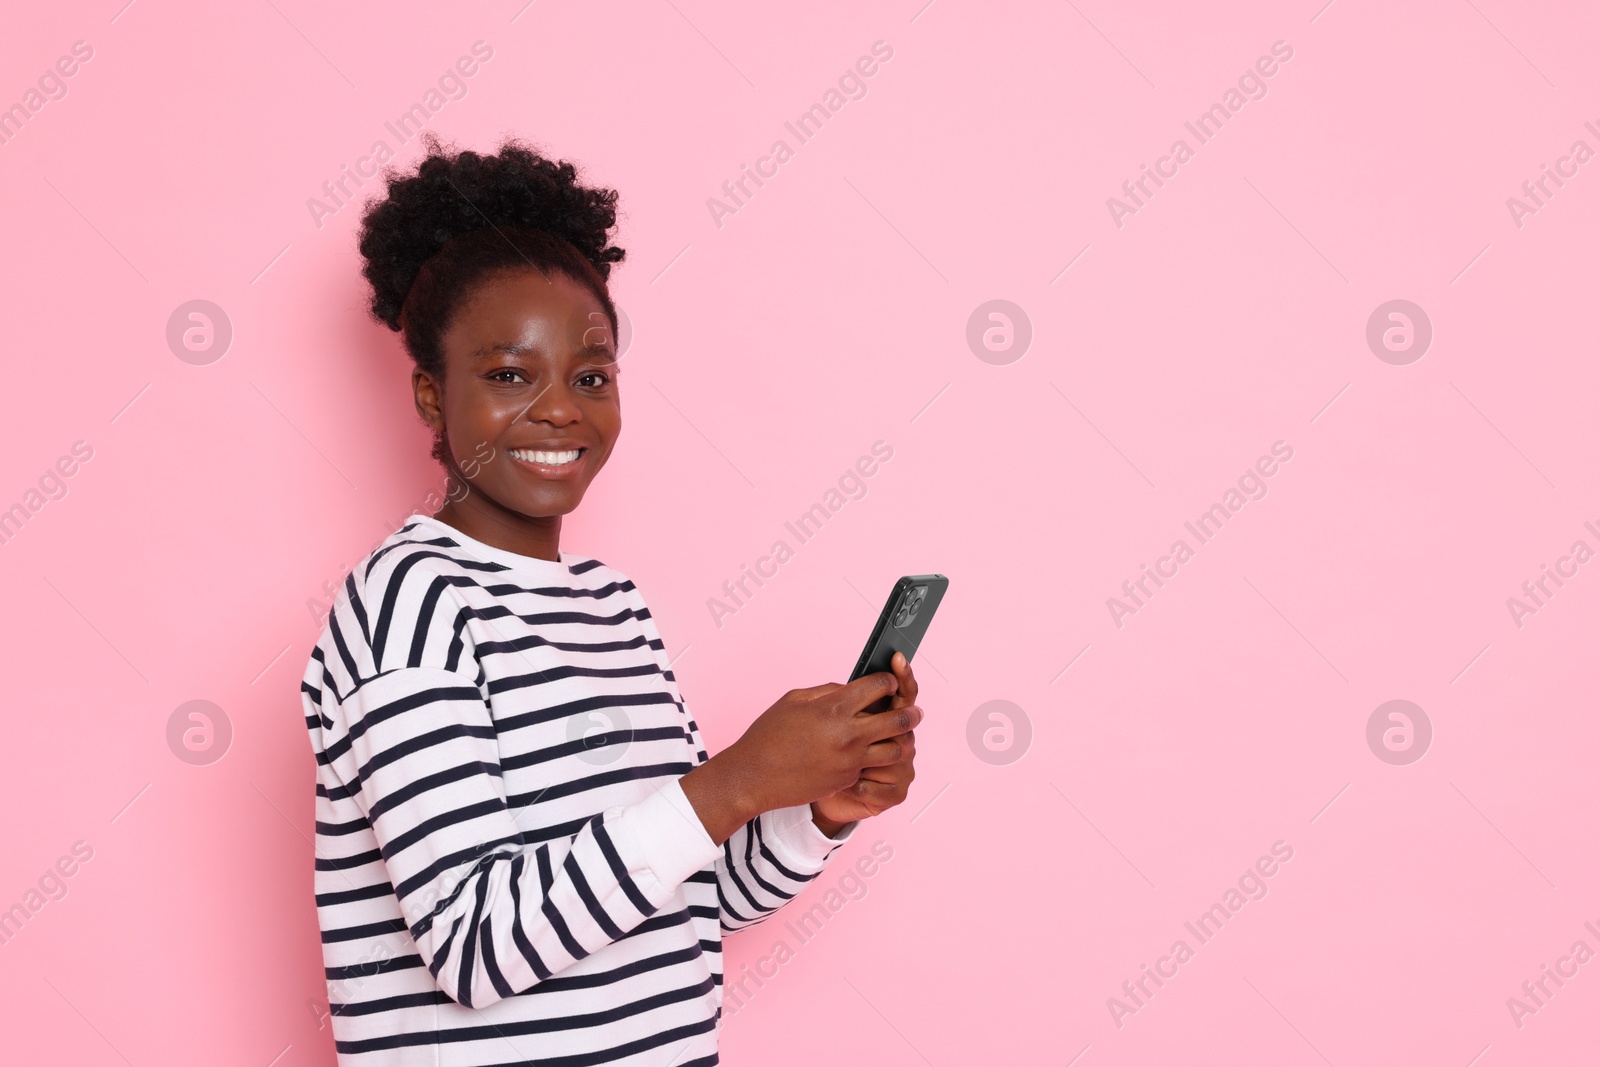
[(462, 217)]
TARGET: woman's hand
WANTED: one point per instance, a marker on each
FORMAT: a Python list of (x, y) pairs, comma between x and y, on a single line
[(812, 744), (881, 787)]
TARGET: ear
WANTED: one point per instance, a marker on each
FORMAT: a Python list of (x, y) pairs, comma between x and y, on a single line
[(429, 398)]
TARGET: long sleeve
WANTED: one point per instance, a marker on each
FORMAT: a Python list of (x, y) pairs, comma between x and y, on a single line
[(769, 860), (491, 915)]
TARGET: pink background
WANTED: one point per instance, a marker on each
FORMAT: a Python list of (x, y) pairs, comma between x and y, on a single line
[(828, 313)]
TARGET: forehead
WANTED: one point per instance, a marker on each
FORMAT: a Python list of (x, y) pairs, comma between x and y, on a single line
[(524, 310)]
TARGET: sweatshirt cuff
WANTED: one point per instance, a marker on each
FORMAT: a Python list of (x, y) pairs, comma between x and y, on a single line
[(796, 840), (662, 837)]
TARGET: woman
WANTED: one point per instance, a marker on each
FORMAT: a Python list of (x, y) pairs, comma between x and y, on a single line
[(523, 851)]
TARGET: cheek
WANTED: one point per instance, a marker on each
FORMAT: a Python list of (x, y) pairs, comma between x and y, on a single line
[(483, 412), (606, 416)]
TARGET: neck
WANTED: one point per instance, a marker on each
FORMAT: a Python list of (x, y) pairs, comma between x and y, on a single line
[(482, 519)]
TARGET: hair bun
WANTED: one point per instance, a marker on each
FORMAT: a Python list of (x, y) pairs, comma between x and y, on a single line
[(455, 192)]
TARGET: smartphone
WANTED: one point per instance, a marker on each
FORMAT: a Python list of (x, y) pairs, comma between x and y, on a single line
[(901, 625)]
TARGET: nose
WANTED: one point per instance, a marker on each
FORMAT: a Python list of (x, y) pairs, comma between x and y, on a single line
[(554, 405)]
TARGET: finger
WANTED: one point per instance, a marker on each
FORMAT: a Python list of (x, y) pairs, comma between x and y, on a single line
[(856, 696), (902, 747), (889, 748), (870, 729), (877, 797), (907, 693), (900, 770), (908, 747)]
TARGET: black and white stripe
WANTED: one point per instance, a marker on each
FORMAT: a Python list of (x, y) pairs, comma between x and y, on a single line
[(493, 886)]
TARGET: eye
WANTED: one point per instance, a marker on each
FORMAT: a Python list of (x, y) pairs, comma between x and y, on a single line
[(496, 376), (598, 379)]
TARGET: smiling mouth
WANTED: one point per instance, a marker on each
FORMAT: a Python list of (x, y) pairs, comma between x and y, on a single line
[(538, 458)]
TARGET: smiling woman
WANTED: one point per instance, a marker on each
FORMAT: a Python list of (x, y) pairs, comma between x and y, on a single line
[(515, 883)]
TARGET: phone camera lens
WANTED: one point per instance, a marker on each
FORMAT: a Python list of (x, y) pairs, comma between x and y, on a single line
[(909, 605)]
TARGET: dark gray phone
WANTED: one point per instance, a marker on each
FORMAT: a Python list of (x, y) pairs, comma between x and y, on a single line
[(901, 625)]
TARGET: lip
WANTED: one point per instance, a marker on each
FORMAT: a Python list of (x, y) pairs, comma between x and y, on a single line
[(550, 471)]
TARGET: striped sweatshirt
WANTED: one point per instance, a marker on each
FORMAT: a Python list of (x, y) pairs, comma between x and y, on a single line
[(507, 869)]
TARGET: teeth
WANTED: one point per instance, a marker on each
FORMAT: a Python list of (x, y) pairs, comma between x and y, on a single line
[(552, 459)]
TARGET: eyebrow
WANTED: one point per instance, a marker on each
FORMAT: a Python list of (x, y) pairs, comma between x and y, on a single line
[(504, 348), (515, 348)]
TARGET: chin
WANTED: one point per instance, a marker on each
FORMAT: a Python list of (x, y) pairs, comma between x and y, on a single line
[(550, 505)]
